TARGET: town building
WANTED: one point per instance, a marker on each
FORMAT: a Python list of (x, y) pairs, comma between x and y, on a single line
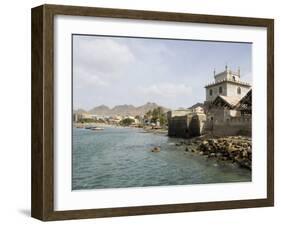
[(230, 116), (227, 109), (186, 123), (227, 83), (77, 116), (228, 103)]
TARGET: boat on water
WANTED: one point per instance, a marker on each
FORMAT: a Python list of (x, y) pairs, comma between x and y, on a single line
[(97, 128), (94, 128)]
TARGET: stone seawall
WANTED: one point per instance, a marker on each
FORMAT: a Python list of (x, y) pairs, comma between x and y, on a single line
[(190, 125), (235, 149)]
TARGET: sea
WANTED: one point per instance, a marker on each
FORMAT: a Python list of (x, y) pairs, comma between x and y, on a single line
[(122, 157)]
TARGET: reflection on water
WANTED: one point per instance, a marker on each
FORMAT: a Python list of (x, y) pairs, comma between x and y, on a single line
[(122, 157)]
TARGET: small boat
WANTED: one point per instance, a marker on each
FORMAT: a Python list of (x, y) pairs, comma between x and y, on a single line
[(96, 128), (88, 127)]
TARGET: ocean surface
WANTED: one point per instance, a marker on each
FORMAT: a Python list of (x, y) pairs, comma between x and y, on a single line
[(122, 157)]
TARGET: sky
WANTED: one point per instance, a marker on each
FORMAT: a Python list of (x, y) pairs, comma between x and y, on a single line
[(172, 73)]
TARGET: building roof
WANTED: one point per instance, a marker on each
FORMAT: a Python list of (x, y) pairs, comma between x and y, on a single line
[(245, 104), (240, 83), (230, 102), (228, 71)]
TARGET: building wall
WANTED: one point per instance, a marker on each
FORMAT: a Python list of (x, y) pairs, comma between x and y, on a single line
[(235, 126), (186, 126), (229, 75), (224, 122), (178, 126), (232, 90), (215, 89), (228, 89), (174, 113), (220, 77)]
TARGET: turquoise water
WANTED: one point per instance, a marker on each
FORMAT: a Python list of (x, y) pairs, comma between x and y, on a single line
[(122, 157)]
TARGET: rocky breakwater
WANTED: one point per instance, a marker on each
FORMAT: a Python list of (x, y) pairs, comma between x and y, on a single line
[(236, 149)]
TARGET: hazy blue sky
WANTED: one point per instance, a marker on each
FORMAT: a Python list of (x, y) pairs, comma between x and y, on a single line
[(114, 71)]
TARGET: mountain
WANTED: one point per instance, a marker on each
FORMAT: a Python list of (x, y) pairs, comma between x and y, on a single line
[(197, 105), (100, 110), (148, 106), (80, 110), (125, 109)]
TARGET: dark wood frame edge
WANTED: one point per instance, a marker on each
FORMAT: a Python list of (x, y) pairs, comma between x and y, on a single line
[(42, 197)]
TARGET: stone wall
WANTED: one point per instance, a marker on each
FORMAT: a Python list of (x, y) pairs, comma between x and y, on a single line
[(220, 123), (233, 129), (189, 125), (178, 126)]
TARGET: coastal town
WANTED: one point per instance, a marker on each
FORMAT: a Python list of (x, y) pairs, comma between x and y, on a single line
[(220, 127)]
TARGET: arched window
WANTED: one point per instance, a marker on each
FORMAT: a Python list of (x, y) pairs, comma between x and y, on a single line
[(238, 90), (233, 77), (210, 92), (220, 89)]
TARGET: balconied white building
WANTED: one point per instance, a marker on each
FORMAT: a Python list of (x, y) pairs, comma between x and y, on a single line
[(227, 83), (226, 111)]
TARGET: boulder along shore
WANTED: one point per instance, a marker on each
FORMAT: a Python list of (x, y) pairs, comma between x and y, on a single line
[(235, 149)]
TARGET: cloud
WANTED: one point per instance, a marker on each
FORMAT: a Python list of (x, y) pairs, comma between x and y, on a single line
[(111, 70), (103, 56), (99, 61), (83, 79), (166, 90)]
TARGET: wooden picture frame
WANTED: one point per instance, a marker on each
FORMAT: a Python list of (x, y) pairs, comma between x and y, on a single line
[(42, 203)]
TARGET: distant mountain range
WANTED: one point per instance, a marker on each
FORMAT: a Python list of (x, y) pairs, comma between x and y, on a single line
[(122, 110)]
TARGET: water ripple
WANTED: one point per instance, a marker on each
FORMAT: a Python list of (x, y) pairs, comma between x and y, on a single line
[(116, 157)]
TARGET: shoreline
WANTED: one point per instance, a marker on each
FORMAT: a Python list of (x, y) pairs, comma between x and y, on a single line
[(155, 131), (229, 149), (146, 129)]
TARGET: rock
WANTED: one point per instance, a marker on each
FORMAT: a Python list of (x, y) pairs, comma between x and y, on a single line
[(155, 149), (245, 153), (244, 163), (237, 149), (249, 149), (218, 154), (204, 142)]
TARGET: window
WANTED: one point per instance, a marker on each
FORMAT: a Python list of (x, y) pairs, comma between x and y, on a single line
[(238, 90), (220, 89), (210, 92), (233, 77)]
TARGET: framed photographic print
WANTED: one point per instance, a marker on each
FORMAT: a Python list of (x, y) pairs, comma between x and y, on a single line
[(141, 112)]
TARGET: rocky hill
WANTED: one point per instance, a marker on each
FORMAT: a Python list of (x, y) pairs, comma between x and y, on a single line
[(80, 111), (197, 105), (125, 109)]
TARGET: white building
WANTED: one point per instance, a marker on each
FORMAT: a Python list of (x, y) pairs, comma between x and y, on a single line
[(227, 83)]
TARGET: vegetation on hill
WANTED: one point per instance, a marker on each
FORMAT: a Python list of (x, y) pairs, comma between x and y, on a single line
[(157, 114), (126, 122), (125, 109)]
